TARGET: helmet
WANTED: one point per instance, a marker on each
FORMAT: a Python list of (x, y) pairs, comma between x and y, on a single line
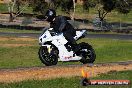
[(50, 15)]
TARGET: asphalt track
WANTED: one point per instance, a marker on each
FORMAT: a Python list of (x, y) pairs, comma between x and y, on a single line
[(109, 36)]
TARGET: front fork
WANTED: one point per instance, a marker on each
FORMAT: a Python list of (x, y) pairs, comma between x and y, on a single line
[(48, 48)]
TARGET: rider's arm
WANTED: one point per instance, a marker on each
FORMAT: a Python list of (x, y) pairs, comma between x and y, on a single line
[(63, 23)]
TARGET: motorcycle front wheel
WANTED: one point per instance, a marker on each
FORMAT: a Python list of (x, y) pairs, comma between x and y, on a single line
[(87, 52), (48, 58)]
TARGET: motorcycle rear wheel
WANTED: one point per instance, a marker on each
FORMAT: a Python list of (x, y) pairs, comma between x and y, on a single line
[(48, 58), (87, 53)]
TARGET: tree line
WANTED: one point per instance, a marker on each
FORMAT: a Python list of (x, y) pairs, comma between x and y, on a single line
[(103, 7)]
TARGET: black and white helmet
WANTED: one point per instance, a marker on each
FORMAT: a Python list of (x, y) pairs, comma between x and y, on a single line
[(50, 15)]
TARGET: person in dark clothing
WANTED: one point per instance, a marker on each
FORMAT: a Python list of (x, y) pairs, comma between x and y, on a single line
[(61, 25)]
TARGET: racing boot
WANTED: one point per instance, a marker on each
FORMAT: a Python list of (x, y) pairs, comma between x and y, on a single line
[(76, 49), (68, 47)]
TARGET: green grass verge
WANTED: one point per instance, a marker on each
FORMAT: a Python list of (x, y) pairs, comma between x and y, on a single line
[(73, 82), (107, 50), (19, 57), (7, 30)]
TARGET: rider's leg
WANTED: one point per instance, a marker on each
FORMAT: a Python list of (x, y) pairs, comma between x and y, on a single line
[(72, 41)]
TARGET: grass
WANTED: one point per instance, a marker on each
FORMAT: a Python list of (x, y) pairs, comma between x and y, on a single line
[(118, 17), (4, 8), (73, 82), (7, 30), (19, 57), (107, 50)]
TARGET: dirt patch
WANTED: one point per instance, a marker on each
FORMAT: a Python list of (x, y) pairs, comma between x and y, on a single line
[(14, 45), (16, 39), (42, 73)]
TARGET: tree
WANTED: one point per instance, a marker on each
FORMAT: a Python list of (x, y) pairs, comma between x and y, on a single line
[(18, 3), (41, 6), (10, 5), (11, 8), (123, 6), (66, 6), (88, 4), (106, 6), (103, 6)]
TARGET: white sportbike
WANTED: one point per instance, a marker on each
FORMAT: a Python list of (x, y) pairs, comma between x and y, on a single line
[(55, 47)]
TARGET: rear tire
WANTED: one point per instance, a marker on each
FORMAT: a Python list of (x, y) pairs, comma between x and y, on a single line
[(48, 58), (87, 53)]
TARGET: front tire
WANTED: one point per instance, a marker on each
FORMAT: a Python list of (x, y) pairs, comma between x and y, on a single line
[(87, 53), (48, 58)]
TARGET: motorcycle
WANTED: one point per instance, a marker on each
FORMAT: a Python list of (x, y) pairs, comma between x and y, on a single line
[(54, 46)]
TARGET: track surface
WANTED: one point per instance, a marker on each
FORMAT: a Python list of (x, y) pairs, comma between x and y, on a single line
[(110, 36), (42, 73)]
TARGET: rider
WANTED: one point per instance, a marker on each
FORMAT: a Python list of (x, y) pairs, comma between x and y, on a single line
[(61, 25)]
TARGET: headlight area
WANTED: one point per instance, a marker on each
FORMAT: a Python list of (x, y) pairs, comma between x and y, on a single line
[(40, 41)]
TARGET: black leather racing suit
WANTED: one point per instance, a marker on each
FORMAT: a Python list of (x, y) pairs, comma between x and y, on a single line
[(60, 24)]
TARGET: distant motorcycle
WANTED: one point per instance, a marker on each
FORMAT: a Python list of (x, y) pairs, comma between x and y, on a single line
[(54, 46)]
